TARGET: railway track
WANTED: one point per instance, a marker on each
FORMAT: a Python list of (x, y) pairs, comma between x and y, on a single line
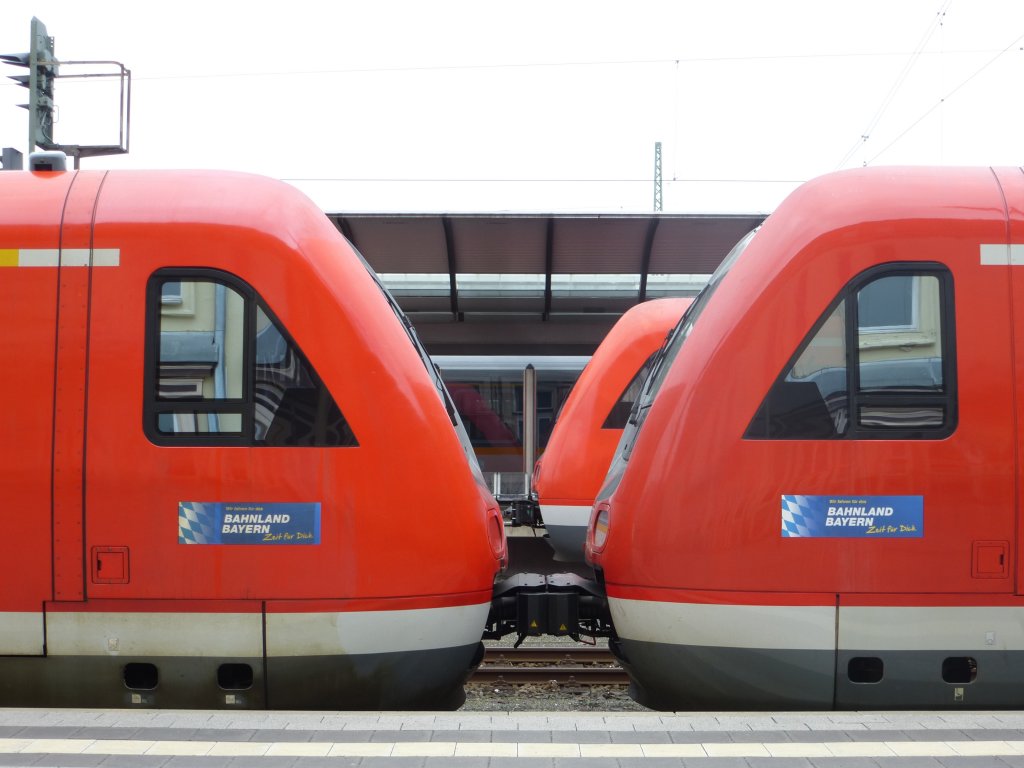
[(579, 666)]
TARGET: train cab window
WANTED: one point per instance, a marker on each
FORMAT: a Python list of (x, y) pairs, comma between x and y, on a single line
[(619, 414), (900, 371), (221, 370), (878, 365)]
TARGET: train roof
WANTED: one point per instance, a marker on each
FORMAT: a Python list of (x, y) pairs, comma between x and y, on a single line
[(214, 199), (865, 195)]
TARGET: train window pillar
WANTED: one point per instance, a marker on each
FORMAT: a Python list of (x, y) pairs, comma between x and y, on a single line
[(879, 364), (222, 370)]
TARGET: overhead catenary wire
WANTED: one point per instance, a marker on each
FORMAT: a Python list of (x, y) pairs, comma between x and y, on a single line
[(908, 65), (528, 65), (945, 98)]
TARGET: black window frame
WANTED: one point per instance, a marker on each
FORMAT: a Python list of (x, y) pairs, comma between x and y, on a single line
[(153, 406), (758, 427)]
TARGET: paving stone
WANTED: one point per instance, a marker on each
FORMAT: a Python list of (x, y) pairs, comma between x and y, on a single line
[(68, 761), (524, 737), (461, 736), (392, 762), (525, 762), (222, 734), (910, 762), (134, 761), (581, 737), (817, 736), (456, 762), (640, 737), (399, 736), (779, 762)]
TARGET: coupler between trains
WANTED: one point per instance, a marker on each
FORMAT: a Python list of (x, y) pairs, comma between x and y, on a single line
[(560, 604), (522, 512)]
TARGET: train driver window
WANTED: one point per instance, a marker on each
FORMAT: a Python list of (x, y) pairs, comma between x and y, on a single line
[(221, 370), (811, 401), (879, 364), (619, 414)]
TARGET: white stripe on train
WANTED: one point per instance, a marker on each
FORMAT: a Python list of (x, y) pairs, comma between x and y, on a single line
[(111, 633), (890, 628)]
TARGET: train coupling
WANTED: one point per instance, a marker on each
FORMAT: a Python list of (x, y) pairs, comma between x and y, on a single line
[(559, 604), (519, 512)]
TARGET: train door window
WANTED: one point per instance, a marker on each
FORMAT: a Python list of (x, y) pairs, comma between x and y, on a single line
[(619, 414), (220, 369), (880, 364)]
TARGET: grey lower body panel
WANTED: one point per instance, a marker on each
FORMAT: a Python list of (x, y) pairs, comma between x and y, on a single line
[(934, 680), (678, 677), (421, 680), (427, 679)]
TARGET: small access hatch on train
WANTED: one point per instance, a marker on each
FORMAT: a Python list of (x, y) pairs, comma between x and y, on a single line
[(989, 560), (110, 565)]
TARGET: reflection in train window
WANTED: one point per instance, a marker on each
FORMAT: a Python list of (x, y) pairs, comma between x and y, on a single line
[(222, 370), (170, 293), (902, 357), (879, 365), (292, 406), (811, 402), (488, 394), (201, 352), (182, 421)]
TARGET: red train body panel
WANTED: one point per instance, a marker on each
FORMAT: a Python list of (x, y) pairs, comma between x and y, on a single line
[(821, 506), (204, 349), (590, 424)]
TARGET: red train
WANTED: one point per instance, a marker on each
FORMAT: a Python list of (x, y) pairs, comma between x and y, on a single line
[(206, 503), (589, 426), (820, 504)]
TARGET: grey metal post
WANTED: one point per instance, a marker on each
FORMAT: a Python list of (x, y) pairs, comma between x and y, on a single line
[(529, 422)]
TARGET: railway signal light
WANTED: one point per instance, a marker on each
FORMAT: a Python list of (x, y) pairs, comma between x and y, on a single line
[(42, 71)]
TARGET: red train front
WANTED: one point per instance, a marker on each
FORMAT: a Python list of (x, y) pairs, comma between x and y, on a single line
[(219, 443), (820, 507), (590, 424)]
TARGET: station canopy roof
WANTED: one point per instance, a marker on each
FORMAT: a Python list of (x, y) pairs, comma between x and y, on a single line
[(535, 283)]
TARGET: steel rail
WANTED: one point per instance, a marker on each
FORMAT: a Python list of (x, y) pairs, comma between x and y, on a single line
[(548, 655), (572, 666)]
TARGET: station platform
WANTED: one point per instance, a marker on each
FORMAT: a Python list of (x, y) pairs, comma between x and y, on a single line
[(503, 739)]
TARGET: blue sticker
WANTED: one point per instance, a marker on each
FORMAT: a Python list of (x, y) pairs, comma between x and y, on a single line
[(272, 523), (853, 517)]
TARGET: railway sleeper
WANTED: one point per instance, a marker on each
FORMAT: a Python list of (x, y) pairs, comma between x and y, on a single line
[(558, 604)]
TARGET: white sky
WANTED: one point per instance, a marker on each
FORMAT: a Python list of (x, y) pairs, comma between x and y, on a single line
[(538, 106)]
